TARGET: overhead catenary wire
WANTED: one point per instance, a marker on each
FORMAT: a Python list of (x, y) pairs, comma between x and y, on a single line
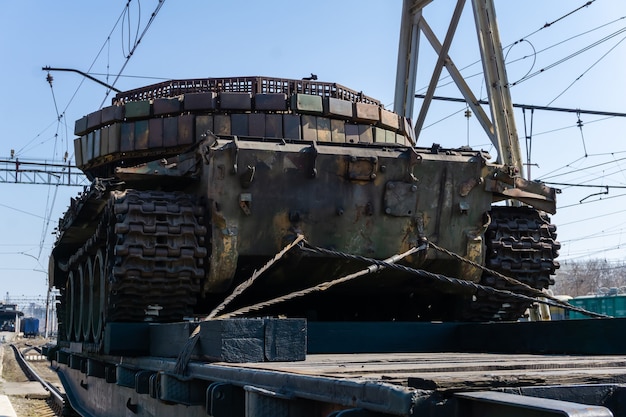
[(602, 234), (51, 199), (522, 39), (587, 70), (591, 201), (135, 46), (93, 62), (570, 56), (552, 174)]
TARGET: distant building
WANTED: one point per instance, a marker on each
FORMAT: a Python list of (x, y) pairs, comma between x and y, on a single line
[(9, 317)]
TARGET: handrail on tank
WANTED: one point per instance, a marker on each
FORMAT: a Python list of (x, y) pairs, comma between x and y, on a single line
[(254, 85)]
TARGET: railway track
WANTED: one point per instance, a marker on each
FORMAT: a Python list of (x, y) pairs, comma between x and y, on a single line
[(39, 371)]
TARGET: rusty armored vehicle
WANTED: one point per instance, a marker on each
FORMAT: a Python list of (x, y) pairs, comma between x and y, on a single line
[(197, 183)]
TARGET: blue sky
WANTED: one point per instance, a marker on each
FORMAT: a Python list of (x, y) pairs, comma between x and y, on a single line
[(350, 42)]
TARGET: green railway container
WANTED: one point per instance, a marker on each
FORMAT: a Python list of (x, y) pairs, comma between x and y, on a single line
[(612, 305)]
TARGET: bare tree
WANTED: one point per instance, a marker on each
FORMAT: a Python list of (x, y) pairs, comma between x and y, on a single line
[(576, 278)]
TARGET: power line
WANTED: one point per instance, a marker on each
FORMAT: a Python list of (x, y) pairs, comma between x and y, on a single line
[(21, 211), (563, 184), (587, 70), (524, 39), (591, 201), (570, 56), (136, 44), (576, 170), (533, 107)]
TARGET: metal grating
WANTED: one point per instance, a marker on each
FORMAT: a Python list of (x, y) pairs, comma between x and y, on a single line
[(254, 85)]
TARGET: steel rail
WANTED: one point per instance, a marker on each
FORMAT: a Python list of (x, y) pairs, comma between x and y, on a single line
[(32, 374)]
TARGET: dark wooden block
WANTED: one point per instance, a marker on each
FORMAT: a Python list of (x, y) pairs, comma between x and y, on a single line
[(234, 340), (239, 124), (200, 101), (254, 340), (132, 339), (167, 340), (271, 102), (231, 100), (285, 339)]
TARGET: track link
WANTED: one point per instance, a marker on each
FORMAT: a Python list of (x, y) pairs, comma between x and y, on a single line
[(521, 243), (151, 247), (159, 255)]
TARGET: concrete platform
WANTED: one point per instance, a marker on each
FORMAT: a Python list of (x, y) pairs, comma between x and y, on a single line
[(6, 409), (31, 389)]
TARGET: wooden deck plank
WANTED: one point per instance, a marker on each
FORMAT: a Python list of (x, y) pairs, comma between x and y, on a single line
[(453, 371)]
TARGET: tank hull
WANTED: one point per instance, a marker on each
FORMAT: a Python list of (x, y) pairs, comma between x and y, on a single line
[(187, 202)]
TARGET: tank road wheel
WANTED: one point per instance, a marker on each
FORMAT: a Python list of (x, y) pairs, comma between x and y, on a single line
[(70, 300), (78, 304), (87, 299), (98, 296)]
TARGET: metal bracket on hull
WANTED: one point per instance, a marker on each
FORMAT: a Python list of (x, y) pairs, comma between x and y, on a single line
[(491, 403), (534, 194)]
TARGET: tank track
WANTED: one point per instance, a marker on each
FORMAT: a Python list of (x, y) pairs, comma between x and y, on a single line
[(521, 244), (154, 263), (159, 255)]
